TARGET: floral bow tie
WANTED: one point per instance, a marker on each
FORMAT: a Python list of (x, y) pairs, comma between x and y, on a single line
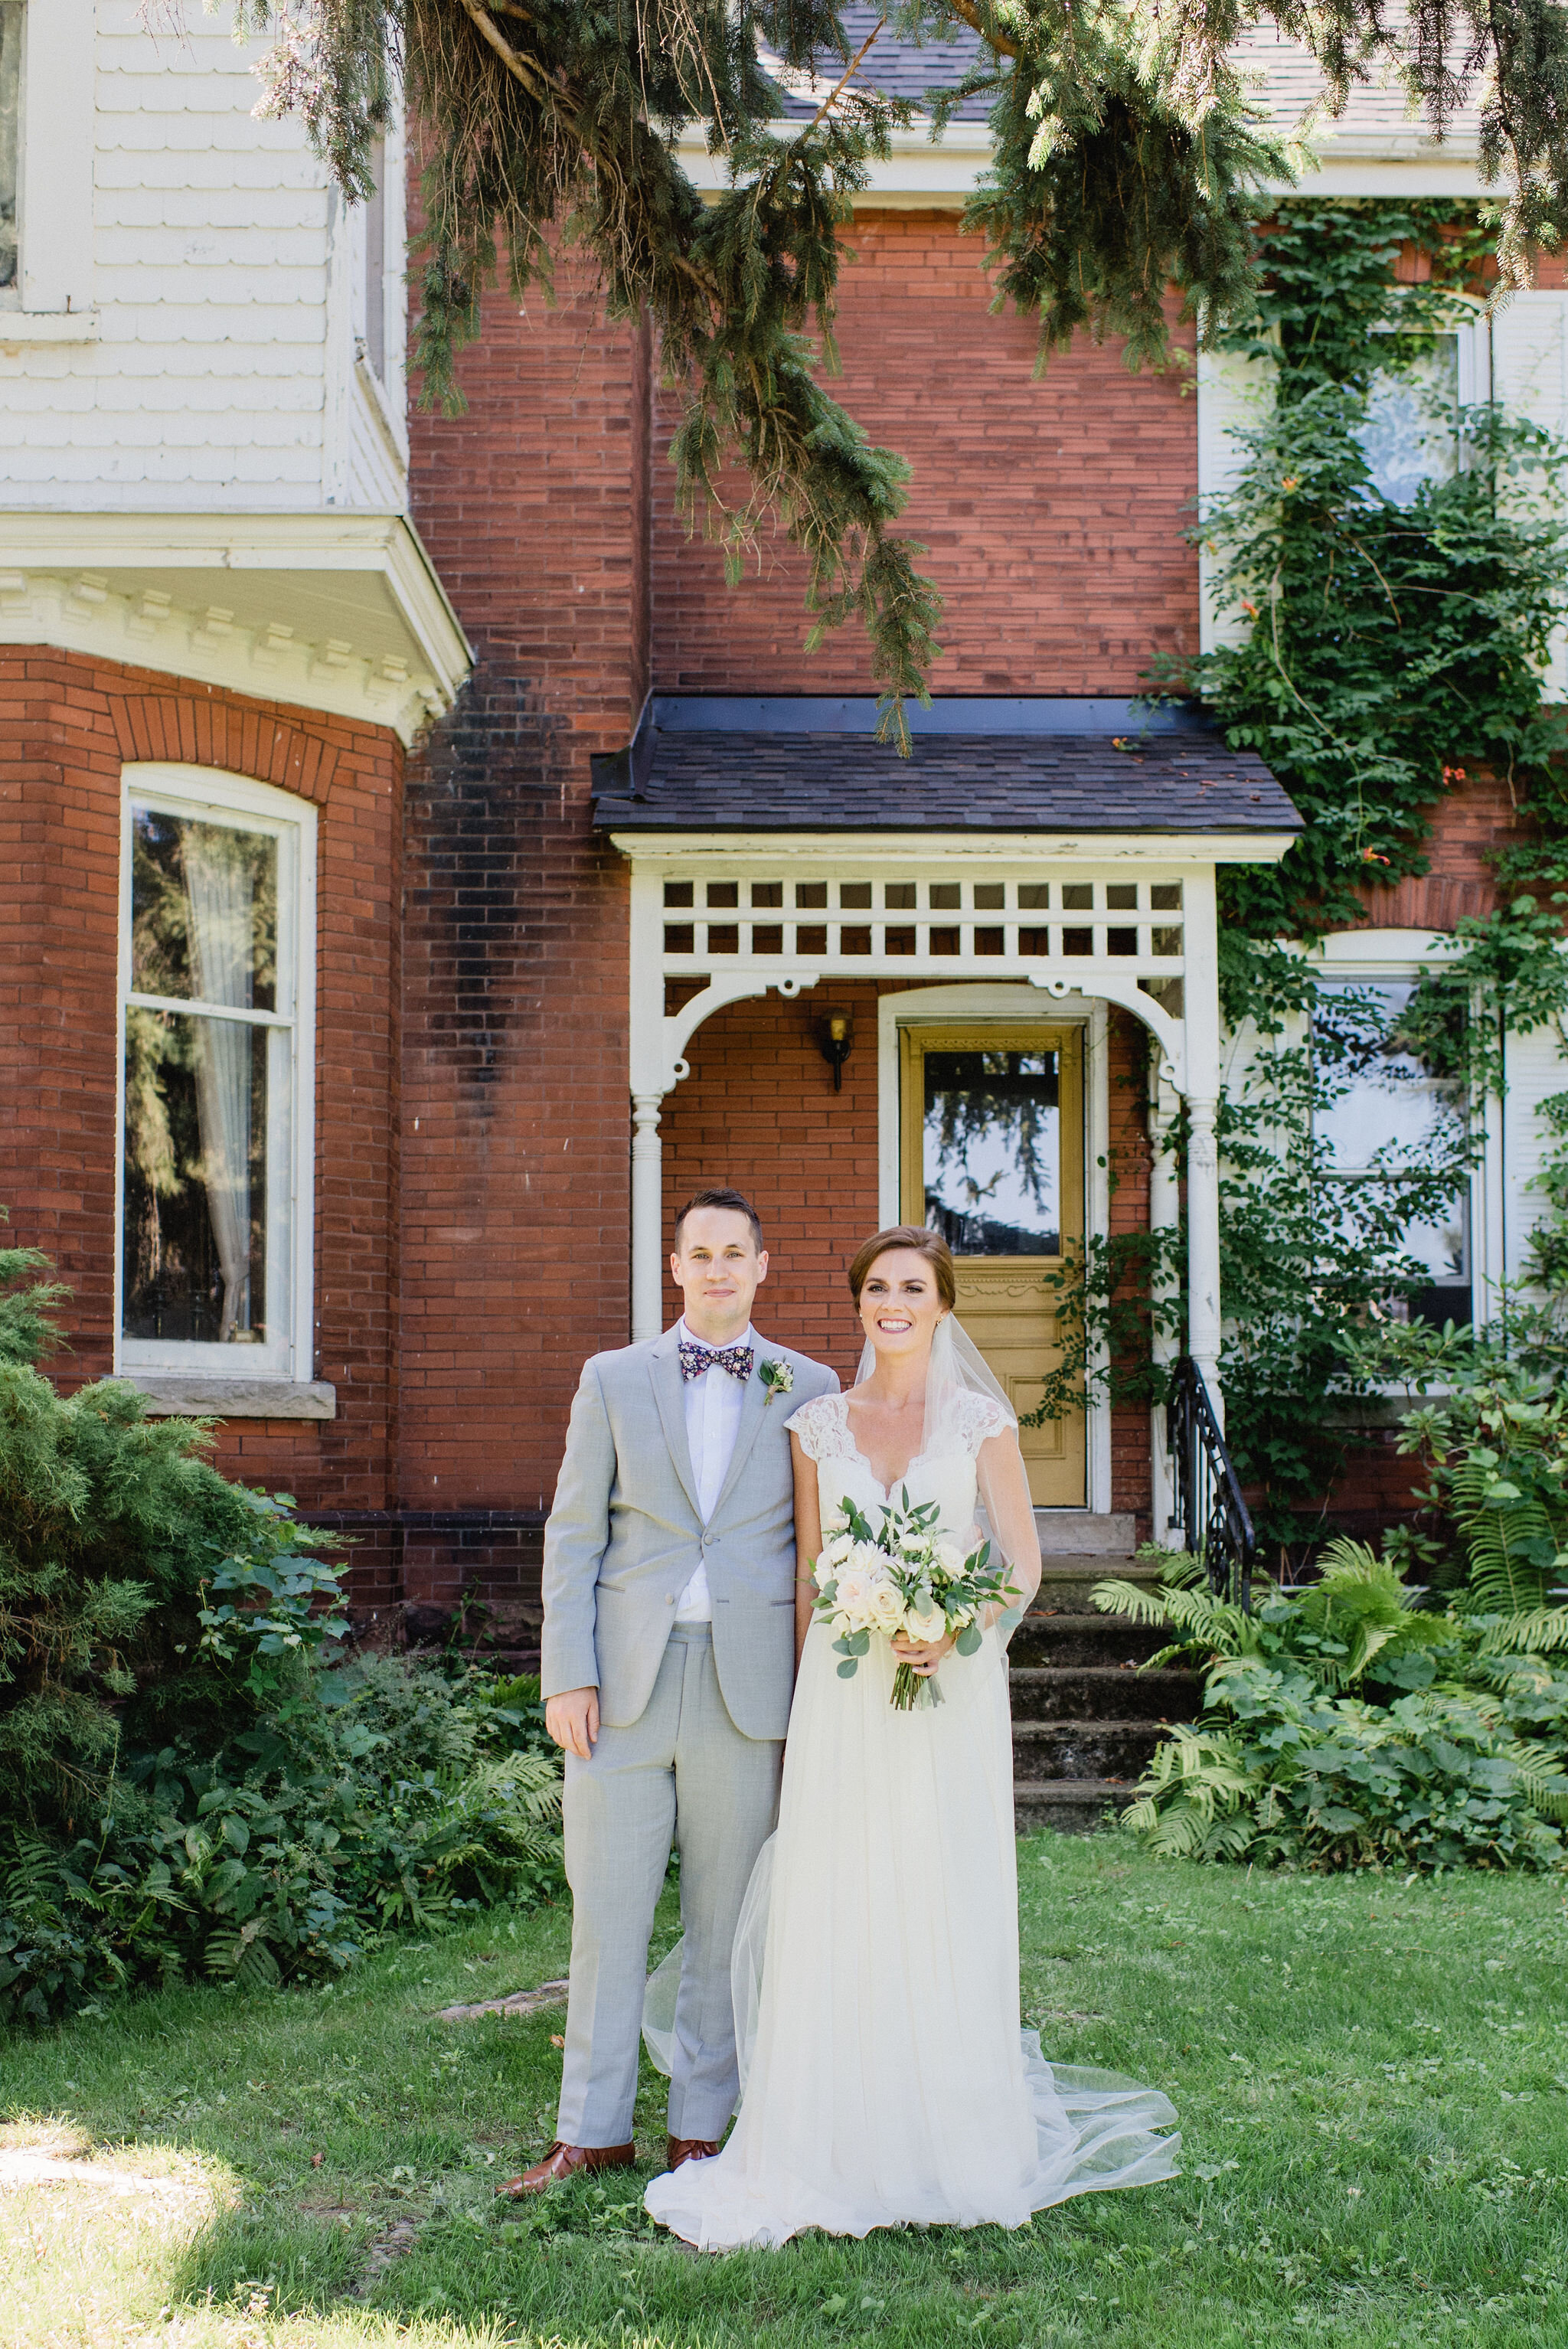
[(697, 1359)]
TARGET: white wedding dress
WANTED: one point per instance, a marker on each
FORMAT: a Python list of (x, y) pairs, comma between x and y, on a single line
[(887, 2082)]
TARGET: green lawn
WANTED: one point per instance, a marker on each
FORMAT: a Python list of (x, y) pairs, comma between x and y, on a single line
[(1370, 2075)]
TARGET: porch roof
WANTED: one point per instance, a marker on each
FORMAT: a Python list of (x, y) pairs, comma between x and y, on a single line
[(1042, 764)]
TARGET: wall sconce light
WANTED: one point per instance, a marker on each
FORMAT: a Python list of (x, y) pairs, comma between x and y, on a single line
[(835, 1032)]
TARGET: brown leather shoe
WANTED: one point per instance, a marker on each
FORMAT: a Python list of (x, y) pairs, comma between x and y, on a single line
[(690, 2148), (565, 2161)]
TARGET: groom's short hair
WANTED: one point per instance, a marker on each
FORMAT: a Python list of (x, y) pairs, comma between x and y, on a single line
[(734, 1201)]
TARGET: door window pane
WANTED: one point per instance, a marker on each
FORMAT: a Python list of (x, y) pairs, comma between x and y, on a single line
[(204, 911), (197, 1097), (992, 1152)]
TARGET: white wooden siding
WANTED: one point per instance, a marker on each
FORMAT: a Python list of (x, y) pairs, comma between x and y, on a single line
[(215, 379)]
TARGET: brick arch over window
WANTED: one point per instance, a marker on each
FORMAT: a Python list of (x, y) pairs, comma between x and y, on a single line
[(1470, 825), (191, 730)]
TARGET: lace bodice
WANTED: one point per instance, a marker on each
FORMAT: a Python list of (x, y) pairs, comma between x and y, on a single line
[(945, 1474), (823, 1428)]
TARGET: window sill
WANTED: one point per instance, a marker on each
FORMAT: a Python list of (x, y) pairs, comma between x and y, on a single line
[(18, 326), (173, 1394)]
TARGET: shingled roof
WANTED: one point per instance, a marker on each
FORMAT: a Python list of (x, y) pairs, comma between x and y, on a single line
[(779, 763), (895, 66), (1288, 77)]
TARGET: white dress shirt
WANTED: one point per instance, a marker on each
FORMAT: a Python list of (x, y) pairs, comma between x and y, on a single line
[(713, 1408)]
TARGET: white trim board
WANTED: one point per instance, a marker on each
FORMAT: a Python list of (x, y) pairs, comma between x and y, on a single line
[(336, 612), (55, 165)]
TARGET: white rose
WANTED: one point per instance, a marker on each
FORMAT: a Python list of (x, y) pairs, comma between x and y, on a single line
[(927, 1628), (854, 1597), (951, 1557), (887, 1604)]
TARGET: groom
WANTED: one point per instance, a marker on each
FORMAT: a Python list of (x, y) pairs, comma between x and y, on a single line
[(669, 1667)]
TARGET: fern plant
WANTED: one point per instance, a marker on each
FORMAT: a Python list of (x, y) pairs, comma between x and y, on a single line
[(1360, 1612), (1439, 1778), (1511, 1505), (1346, 1726)]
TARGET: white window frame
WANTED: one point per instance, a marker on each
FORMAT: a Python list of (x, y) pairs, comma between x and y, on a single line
[(53, 298), (208, 795), (374, 289), (1400, 958)]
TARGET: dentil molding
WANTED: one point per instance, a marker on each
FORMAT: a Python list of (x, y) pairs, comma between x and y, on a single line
[(338, 612)]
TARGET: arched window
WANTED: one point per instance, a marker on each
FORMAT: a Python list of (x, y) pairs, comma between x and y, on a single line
[(216, 996)]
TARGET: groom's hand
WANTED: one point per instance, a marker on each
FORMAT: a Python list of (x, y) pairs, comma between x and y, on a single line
[(573, 1720)]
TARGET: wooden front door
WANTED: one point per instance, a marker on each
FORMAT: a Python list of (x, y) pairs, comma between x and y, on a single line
[(992, 1156)]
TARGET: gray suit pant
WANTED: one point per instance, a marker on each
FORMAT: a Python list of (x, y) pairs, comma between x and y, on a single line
[(684, 1772)]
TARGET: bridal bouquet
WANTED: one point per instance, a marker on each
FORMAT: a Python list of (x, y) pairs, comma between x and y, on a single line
[(904, 1577)]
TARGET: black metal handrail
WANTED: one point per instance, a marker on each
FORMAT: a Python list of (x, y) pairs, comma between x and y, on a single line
[(1216, 1522)]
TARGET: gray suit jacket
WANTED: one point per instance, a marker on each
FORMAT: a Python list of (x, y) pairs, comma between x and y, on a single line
[(625, 1536)]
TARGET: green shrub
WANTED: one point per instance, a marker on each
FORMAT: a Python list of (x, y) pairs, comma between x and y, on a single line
[(192, 1778), (1346, 1726), (381, 1795)]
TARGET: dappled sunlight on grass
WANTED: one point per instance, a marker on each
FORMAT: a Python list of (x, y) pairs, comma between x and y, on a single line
[(1370, 2076)]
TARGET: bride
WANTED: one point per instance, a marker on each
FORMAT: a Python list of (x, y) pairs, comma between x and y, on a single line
[(886, 2079)]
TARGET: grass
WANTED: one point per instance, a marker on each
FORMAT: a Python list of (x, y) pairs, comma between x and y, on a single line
[(1370, 2075)]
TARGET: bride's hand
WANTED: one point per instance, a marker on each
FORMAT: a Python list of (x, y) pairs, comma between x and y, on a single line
[(922, 1656)]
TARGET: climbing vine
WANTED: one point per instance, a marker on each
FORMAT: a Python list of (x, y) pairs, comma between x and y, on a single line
[(1393, 647)]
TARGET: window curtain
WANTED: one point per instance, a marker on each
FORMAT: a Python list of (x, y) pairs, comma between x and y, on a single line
[(218, 892)]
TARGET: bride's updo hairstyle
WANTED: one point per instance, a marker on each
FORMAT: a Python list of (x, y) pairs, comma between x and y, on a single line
[(914, 1237)]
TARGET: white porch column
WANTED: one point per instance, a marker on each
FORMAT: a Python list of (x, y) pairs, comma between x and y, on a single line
[(1201, 1005), (648, 1218), (651, 1076), (1164, 1215), (1203, 1246)]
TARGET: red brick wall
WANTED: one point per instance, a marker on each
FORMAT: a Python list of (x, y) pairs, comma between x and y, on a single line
[(67, 724), (1476, 819), (758, 1110), (516, 1120), (1053, 511)]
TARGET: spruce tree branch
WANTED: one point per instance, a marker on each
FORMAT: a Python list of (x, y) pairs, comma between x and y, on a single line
[(527, 70), (977, 23), (844, 79)]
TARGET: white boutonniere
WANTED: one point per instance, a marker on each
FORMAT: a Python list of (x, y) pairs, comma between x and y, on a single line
[(777, 1378)]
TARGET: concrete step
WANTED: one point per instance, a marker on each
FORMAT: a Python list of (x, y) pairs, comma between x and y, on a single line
[(1070, 1806), (1082, 1748), (1066, 1579), (1061, 1639), (1106, 1693), (1078, 1532)]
